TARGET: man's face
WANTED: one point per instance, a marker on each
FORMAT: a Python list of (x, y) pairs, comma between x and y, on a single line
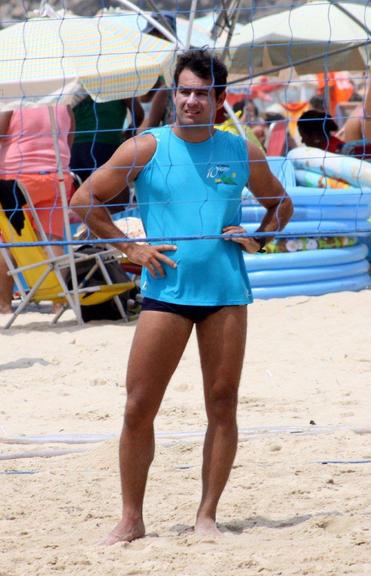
[(195, 100)]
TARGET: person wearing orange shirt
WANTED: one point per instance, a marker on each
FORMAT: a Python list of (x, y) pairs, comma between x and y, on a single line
[(27, 155)]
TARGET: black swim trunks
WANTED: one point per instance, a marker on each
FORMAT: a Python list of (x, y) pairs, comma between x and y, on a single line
[(193, 313)]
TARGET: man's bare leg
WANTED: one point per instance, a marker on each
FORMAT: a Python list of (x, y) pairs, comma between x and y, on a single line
[(221, 338), (6, 288), (158, 345)]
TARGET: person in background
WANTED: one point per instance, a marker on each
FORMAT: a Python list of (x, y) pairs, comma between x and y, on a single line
[(158, 102), (99, 131), (248, 115), (317, 102), (226, 124), (27, 154), (320, 130)]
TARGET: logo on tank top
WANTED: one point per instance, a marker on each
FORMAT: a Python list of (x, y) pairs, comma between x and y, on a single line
[(222, 174)]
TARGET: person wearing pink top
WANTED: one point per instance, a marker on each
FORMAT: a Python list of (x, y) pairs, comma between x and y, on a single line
[(27, 154)]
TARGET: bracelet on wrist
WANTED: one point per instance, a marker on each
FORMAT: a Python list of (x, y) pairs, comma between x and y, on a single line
[(262, 243)]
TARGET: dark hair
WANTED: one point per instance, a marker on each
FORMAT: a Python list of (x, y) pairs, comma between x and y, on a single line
[(250, 101), (315, 122), (317, 102), (273, 117), (205, 66), (239, 106)]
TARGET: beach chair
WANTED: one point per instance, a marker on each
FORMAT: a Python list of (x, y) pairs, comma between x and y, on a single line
[(276, 139), (359, 148), (46, 274)]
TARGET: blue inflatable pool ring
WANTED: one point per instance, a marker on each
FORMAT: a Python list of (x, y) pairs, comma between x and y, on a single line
[(348, 168), (309, 272), (313, 288), (305, 259), (302, 196), (303, 275), (354, 213), (317, 252), (315, 180)]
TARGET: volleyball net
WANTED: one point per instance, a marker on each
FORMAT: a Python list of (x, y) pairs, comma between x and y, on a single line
[(73, 88)]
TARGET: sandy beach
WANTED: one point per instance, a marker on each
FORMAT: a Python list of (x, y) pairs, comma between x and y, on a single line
[(299, 498)]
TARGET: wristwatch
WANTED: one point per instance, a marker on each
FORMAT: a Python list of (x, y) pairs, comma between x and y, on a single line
[(262, 242)]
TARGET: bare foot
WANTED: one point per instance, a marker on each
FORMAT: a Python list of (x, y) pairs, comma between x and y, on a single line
[(207, 527), (5, 309), (125, 531), (57, 307)]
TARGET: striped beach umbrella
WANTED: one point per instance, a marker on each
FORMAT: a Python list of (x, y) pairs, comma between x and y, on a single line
[(46, 60), (317, 36), (200, 33)]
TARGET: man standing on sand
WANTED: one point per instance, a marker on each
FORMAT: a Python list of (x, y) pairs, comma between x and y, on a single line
[(188, 178)]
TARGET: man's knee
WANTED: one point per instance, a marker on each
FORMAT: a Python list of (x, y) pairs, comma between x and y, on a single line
[(139, 412), (222, 403)]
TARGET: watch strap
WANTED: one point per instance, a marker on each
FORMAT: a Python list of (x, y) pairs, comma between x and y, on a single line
[(262, 243)]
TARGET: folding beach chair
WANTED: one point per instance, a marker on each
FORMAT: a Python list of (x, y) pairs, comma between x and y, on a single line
[(359, 148), (45, 273), (276, 139)]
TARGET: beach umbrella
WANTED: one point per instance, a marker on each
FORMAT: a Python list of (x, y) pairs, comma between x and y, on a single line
[(200, 33), (45, 60), (49, 60), (317, 36)]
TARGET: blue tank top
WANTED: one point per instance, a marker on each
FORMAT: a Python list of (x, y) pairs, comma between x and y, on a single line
[(194, 189)]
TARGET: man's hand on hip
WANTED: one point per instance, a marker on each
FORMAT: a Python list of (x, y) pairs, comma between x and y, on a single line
[(151, 257), (249, 244)]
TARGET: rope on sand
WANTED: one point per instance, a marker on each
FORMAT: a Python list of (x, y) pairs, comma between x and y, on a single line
[(177, 434), (41, 453), (57, 439), (163, 437)]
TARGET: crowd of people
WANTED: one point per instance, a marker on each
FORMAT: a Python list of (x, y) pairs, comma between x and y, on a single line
[(315, 127), (90, 133)]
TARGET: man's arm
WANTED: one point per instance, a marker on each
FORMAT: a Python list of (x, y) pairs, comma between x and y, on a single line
[(156, 113), (270, 193), (137, 116), (5, 118), (104, 184)]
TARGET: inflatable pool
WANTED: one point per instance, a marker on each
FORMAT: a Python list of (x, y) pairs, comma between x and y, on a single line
[(283, 169), (315, 180), (353, 170), (318, 212), (320, 228), (303, 196), (313, 288), (352, 196), (306, 259), (311, 272), (308, 243)]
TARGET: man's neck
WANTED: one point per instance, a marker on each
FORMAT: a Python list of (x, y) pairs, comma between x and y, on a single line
[(193, 133)]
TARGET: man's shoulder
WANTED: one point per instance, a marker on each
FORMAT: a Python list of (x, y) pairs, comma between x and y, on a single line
[(157, 132), (231, 141), (227, 135)]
